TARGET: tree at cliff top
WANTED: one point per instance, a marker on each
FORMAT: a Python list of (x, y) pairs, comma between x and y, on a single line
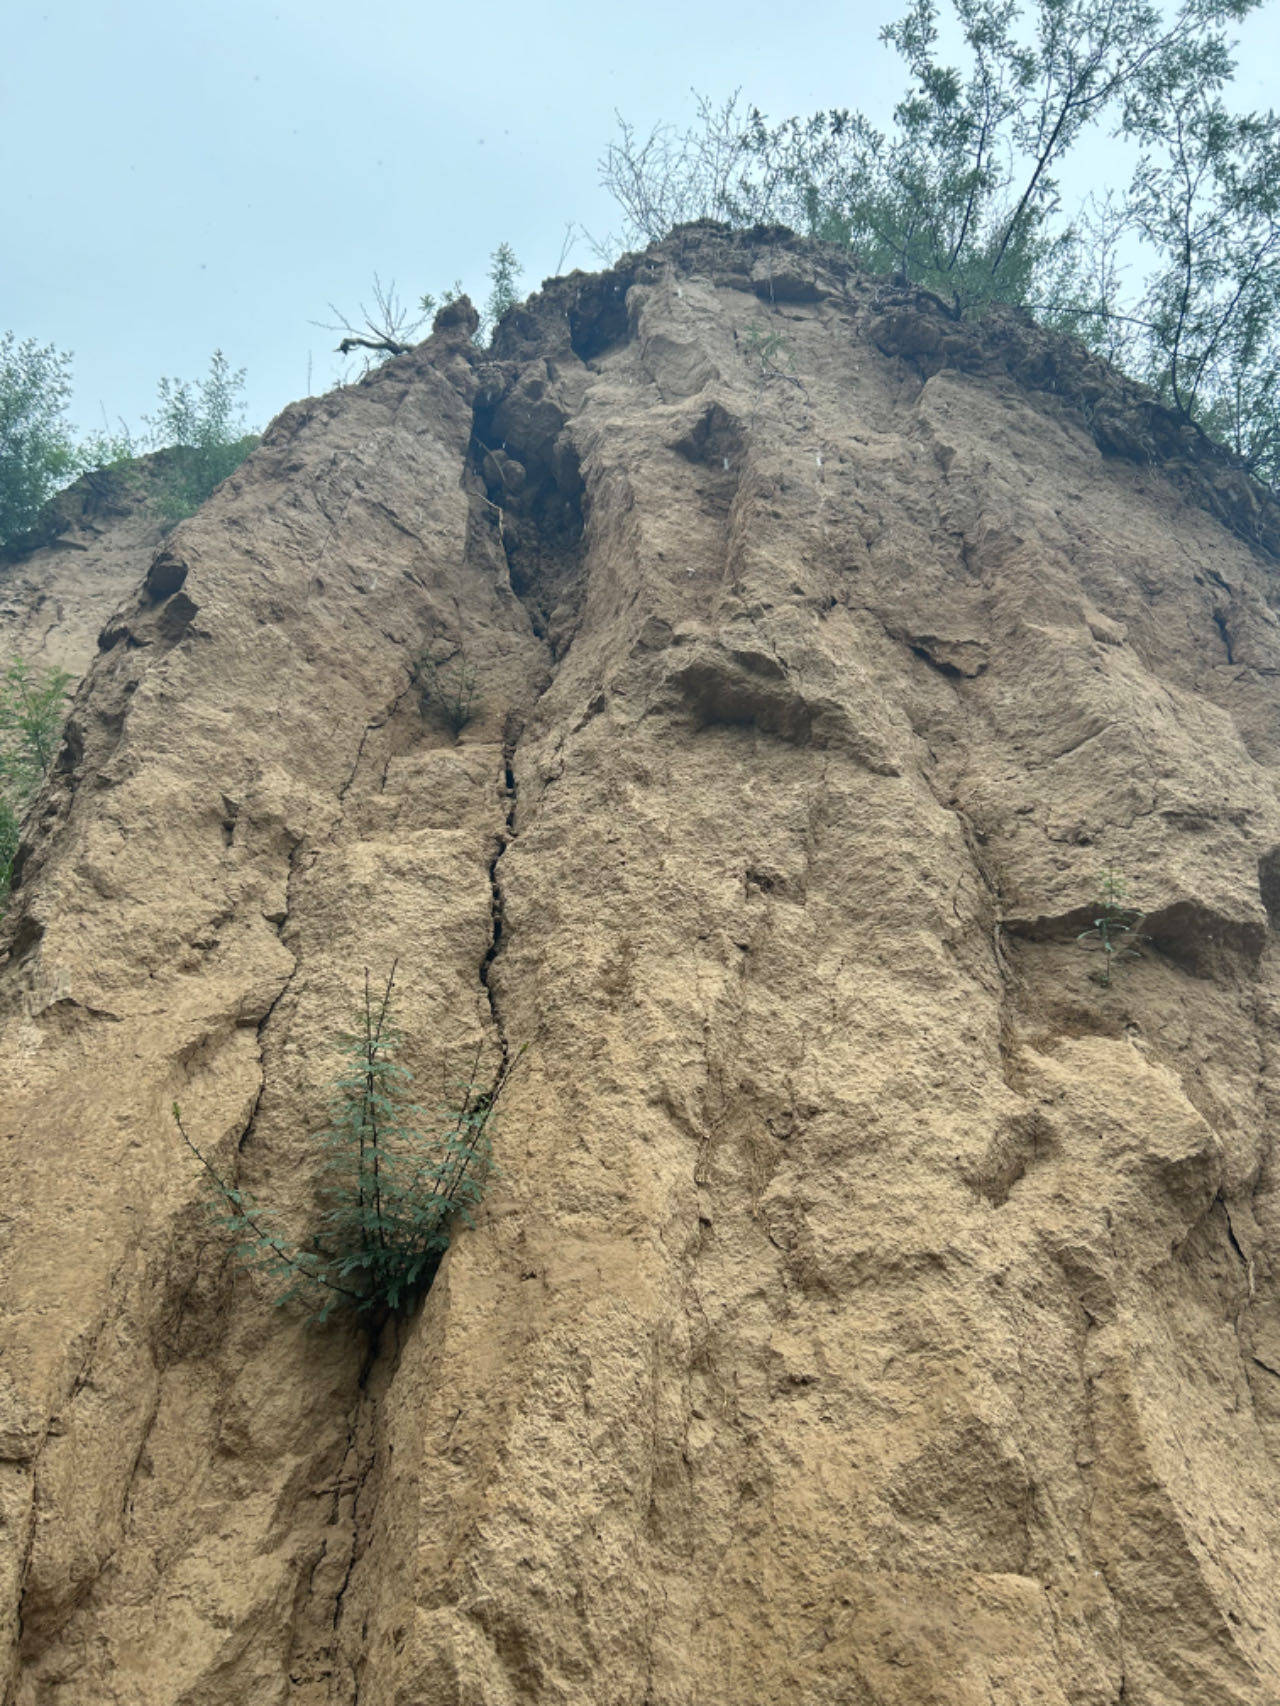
[(37, 451), (392, 327), (203, 428), (200, 425), (1177, 278)]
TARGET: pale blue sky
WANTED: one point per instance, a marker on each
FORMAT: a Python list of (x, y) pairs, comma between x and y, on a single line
[(175, 176)]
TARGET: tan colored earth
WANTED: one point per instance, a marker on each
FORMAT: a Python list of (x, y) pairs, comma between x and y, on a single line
[(874, 1307), (93, 551)]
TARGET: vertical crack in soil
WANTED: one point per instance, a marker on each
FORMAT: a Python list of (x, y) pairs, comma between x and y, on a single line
[(279, 996), (497, 903)]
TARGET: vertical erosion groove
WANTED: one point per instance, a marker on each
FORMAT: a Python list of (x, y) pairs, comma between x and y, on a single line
[(496, 902)]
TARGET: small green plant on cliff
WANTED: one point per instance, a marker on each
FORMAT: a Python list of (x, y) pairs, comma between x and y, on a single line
[(200, 428), (504, 280), (396, 1180), (32, 712), (449, 687), (1115, 927), (768, 352), (391, 326)]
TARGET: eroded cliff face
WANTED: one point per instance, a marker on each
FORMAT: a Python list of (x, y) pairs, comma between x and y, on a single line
[(873, 1308), (91, 553)]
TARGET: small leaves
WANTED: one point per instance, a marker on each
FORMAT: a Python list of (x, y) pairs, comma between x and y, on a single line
[(32, 710), (37, 449), (202, 431), (1115, 926), (768, 352), (394, 1179), (1174, 275)]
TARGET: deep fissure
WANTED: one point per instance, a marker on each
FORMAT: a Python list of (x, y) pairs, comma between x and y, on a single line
[(497, 902)]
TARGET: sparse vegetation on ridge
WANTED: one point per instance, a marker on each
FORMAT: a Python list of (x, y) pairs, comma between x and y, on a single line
[(37, 448), (200, 424), (1175, 278), (392, 327)]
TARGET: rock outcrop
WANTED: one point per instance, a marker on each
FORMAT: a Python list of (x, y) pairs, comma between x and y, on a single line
[(873, 1306)]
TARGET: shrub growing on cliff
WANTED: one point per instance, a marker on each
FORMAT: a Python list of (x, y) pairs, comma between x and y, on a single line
[(392, 327), (395, 1180), (504, 278), (769, 353), (202, 427), (962, 192), (32, 712)]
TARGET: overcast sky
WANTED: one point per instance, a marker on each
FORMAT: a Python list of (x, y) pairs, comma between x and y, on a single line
[(177, 176)]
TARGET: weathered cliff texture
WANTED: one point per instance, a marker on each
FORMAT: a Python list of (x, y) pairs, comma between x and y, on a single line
[(873, 1308), (91, 553)]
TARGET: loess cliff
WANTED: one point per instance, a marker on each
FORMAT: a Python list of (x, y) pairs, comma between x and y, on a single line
[(874, 1308)]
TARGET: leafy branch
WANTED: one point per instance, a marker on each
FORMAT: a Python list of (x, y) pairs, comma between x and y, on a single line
[(394, 1178), (32, 712)]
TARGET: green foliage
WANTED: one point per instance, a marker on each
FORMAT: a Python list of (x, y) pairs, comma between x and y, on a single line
[(201, 425), (10, 834), (37, 451), (395, 1180), (449, 687), (504, 293), (504, 278), (1206, 200), (429, 304), (32, 712), (768, 352), (961, 193), (1115, 927), (103, 449)]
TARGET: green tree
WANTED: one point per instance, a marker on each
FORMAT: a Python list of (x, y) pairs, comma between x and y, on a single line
[(37, 449), (962, 193), (395, 1180), (201, 425), (32, 712), (1205, 199)]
